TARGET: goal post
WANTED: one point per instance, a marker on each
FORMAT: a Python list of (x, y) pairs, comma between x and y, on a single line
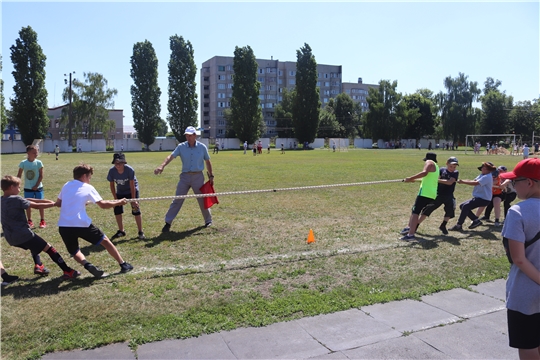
[(470, 140), (338, 144)]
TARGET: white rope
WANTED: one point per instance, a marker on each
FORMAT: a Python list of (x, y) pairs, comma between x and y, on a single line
[(263, 191)]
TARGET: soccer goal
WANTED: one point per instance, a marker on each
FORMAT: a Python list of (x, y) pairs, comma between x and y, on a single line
[(500, 139), (338, 144)]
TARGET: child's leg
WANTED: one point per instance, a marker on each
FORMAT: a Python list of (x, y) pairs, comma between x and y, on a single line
[(109, 246), (120, 222), (529, 354), (42, 214), (29, 214), (138, 220), (55, 256)]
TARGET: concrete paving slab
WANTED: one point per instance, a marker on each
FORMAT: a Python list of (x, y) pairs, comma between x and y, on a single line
[(463, 303), (409, 315), (118, 351), (495, 289), (281, 340), (481, 337), (203, 347), (405, 347), (331, 356), (347, 329)]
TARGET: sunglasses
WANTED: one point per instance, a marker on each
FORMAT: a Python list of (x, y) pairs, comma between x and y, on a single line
[(518, 180)]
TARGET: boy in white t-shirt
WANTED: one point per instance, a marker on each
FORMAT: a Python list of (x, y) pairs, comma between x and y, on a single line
[(74, 223)]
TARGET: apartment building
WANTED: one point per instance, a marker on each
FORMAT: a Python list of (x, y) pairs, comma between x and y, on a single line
[(358, 92), (274, 75)]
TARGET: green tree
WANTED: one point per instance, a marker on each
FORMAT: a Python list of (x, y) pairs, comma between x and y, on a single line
[(283, 113), (182, 104), (162, 127), (246, 115), (344, 111), (145, 92), (3, 115), (524, 119), (307, 101), (424, 125), (329, 126), (29, 104), (495, 106), (458, 116)]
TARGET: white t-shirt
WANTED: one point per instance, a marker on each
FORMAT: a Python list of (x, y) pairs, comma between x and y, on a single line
[(74, 196)]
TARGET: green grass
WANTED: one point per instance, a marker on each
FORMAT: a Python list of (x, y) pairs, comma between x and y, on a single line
[(253, 267)]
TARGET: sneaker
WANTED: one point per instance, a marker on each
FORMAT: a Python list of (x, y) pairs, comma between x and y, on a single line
[(118, 234), (456, 227), (405, 231), (125, 267), (30, 223), (442, 227), (141, 235), (208, 224), (485, 218), (41, 270), (166, 228), (497, 223), (8, 279), (97, 272), (476, 223), (408, 237), (42, 224), (72, 274)]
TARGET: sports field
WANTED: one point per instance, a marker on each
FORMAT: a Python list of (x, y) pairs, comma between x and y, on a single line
[(253, 267)]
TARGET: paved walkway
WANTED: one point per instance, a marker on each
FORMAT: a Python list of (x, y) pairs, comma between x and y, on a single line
[(454, 324)]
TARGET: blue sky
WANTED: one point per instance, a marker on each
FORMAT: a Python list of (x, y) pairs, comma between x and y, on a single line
[(416, 43)]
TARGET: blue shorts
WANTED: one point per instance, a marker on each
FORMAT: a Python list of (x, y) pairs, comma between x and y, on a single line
[(34, 194)]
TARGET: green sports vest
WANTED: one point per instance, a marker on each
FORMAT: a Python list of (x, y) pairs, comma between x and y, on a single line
[(428, 187)]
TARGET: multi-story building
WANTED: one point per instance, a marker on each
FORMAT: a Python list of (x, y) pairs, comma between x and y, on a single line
[(358, 92), (217, 78)]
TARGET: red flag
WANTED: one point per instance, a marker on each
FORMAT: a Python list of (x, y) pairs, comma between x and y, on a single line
[(208, 188)]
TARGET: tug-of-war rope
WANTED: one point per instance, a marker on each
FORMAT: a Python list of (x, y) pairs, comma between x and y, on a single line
[(263, 190)]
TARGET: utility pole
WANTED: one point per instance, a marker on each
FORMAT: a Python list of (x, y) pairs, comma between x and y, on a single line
[(70, 117)]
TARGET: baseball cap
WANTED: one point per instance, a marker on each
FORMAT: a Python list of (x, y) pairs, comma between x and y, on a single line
[(431, 156), (502, 167), (190, 130), (488, 165), (119, 157), (528, 168), (452, 160)]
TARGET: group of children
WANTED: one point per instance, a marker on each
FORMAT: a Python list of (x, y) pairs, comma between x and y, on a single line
[(73, 222)]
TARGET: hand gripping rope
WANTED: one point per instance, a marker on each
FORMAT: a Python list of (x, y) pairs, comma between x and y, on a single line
[(263, 191)]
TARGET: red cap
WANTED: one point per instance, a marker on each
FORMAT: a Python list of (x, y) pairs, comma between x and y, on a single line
[(528, 168)]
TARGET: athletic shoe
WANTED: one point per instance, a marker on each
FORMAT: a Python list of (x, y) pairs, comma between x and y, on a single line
[(72, 274), (141, 235), (485, 218), (8, 279), (208, 224), (408, 237), (456, 227), (42, 224), (405, 231), (41, 270), (497, 223), (97, 272), (442, 227), (125, 267), (476, 223), (118, 234), (166, 228), (30, 223)]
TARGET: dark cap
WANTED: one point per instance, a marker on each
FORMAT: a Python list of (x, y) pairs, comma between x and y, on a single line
[(431, 156), (119, 157), (488, 165), (452, 160)]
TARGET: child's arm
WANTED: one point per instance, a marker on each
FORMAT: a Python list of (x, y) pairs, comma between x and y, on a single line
[(113, 191), (20, 173), (468, 182), (58, 203), (107, 204), (40, 178), (40, 203), (517, 251)]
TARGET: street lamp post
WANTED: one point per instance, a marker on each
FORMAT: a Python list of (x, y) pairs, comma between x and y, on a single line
[(70, 118)]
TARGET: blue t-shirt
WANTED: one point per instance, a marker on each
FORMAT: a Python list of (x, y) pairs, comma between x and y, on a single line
[(31, 172), (193, 157), (483, 190), (122, 180), (444, 174)]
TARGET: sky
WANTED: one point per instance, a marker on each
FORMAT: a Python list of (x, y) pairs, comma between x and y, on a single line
[(418, 44)]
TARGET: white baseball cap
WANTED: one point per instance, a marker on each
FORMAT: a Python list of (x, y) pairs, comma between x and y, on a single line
[(190, 130)]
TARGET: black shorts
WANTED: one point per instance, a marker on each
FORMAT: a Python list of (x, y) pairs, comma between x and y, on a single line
[(119, 210), (449, 206), (501, 195), (71, 235), (35, 245), (523, 330), (420, 203)]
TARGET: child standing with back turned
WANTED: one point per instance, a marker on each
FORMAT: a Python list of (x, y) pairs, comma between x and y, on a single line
[(523, 284)]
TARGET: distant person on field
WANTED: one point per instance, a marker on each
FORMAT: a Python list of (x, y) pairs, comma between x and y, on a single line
[(523, 283), (127, 187), (448, 176), (194, 156), (268, 152), (245, 147), (74, 223), (32, 169), (426, 195), (525, 151), (18, 233), (282, 149), (57, 151)]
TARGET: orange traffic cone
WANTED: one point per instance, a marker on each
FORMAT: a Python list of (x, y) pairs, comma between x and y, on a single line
[(310, 237)]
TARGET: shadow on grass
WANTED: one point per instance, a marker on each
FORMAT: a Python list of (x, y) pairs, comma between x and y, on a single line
[(431, 242), (171, 236)]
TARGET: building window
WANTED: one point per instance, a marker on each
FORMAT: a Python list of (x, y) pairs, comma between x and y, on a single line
[(205, 78), (318, 83), (262, 105), (326, 92), (220, 131), (231, 76), (292, 81), (261, 71), (280, 81), (327, 83), (280, 98), (206, 87), (206, 122), (229, 67), (221, 104), (221, 122), (292, 73), (220, 68), (206, 96), (221, 77), (280, 73), (347, 91), (221, 86), (326, 75), (206, 113), (261, 97), (280, 90), (220, 113), (206, 105), (229, 86), (325, 100), (270, 87), (260, 79), (220, 95)]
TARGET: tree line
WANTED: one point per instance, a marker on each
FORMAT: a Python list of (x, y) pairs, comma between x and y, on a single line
[(449, 114)]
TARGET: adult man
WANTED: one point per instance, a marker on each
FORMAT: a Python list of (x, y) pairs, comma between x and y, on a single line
[(426, 194), (194, 155), (445, 194)]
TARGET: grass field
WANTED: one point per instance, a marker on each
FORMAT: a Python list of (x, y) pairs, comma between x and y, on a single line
[(253, 267)]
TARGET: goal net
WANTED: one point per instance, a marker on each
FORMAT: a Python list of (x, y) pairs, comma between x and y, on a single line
[(338, 144), (495, 144)]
